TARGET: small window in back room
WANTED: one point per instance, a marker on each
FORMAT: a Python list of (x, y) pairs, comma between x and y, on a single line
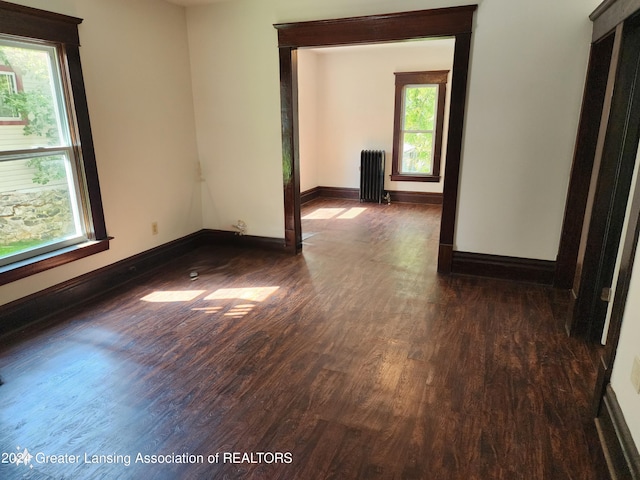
[(418, 124)]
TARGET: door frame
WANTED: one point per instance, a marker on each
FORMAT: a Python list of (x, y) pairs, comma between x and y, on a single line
[(596, 103), (615, 437), (615, 159), (454, 22)]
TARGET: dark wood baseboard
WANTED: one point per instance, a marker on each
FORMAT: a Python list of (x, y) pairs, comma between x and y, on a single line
[(308, 195), (445, 258), (223, 237), (616, 440), (41, 305), (397, 196), (339, 192), (506, 268), (423, 198)]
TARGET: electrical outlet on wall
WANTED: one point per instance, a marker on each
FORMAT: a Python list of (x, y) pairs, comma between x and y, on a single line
[(635, 374)]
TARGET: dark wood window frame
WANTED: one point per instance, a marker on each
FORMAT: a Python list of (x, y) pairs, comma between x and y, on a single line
[(454, 22), (62, 30), (435, 77)]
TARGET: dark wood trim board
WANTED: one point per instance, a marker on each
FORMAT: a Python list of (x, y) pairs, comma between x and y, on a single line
[(31, 266), (611, 193), (506, 268), (578, 210), (425, 198), (609, 14), (223, 237), (437, 22), (309, 195), (617, 444), (338, 192), (32, 22), (397, 196)]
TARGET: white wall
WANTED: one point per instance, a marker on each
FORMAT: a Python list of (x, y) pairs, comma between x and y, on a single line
[(235, 70), (136, 69), (525, 87), (308, 118), (526, 77), (355, 88)]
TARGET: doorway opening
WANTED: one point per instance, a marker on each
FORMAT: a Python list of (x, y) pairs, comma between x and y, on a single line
[(346, 106), (453, 22)]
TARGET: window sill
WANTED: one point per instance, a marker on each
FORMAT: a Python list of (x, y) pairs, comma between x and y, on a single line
[(414, 178), (25, 268)]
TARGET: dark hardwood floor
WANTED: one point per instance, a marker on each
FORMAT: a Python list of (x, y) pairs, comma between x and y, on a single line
[(354, 360)]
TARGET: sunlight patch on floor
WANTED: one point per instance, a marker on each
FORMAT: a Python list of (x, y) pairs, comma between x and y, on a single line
[(351, 213), (239, 311), (245, 294), (254, 294), (172, 296), (338, 213), (207, 309), (323, 213)]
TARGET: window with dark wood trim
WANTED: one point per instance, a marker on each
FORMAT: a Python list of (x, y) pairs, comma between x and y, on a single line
[(417, 127), (63, 149)]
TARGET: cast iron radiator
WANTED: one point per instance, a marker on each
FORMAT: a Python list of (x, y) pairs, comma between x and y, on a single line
[(371, 175)]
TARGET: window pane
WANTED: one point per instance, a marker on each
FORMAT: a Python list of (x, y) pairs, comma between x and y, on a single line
[(420, 107), (417, 153), (37, 204), (35, 98)]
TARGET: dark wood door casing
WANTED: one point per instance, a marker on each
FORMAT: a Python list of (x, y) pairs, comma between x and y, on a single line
[(612, 190), (444, 22), (623, 16), (593, 115)]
